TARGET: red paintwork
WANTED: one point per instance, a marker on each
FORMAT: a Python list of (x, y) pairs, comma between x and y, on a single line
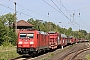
[(56, 40), (72, 40), (40, 41), (36, 41), (26, 41), (76, 40), (63, 41), (53, 40)]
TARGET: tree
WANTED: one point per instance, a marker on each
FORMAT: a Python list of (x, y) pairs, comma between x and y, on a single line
[(7, 19), (2, 33), (6, 33), (47, 26)]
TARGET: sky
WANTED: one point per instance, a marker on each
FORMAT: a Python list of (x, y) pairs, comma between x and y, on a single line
[(71, 13)]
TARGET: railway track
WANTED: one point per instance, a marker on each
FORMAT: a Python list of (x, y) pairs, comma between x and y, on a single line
[(71, 55), (77, 53), (28, 57)]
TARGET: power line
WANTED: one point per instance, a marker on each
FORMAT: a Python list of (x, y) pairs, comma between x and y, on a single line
[(65, 15), (7, 7), (16, 11), (69, 11), (50, 5), (44, 1), (63, 6), (56, 9), (60, 10), (28, 9), (81, 8), (82, 21)]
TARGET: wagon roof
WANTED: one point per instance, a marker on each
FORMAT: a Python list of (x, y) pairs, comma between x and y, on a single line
[(51, 32), (70, 36), (63, 35), (42, 32)]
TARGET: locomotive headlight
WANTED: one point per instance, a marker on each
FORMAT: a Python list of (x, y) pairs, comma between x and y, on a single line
[(31, 42), (20, 42)]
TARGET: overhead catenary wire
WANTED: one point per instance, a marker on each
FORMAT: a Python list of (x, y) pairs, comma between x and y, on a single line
[(16, 11), (60, 9), (65, 9), (31, 16), (7, 6), (60, 12), (64, 14), (57, 10), (83, 21), (51, 6), (71, 12), (38, 13), (63, 5), (28, 9), (81, 8)]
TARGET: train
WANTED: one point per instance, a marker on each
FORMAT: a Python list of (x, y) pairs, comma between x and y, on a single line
[(32, 41)]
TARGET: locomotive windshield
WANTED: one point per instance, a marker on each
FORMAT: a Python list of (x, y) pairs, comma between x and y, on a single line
[(26, 35), (22, 35), (30, 35)]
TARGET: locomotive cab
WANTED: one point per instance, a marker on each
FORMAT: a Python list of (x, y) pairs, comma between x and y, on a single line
[(25, 42), (31, 41)]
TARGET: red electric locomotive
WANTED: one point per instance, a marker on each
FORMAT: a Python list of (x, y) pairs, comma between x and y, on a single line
[(31, 41)]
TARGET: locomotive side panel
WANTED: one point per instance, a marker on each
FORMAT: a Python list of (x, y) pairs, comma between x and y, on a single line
[(42, 41)]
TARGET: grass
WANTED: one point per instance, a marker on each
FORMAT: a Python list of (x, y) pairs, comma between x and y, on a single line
[(7, 53), (52, 54), (87, 57)]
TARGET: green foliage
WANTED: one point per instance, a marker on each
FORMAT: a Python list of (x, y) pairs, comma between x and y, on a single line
[(47, 26), (7, 53), (87, 57), (7, 36)]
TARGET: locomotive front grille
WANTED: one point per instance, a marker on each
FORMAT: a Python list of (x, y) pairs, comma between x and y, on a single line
[(25, 50)]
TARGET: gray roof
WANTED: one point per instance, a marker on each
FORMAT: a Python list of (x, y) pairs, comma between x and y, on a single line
[(51, 32), (42, 32), (63, 35), (70, 36)]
